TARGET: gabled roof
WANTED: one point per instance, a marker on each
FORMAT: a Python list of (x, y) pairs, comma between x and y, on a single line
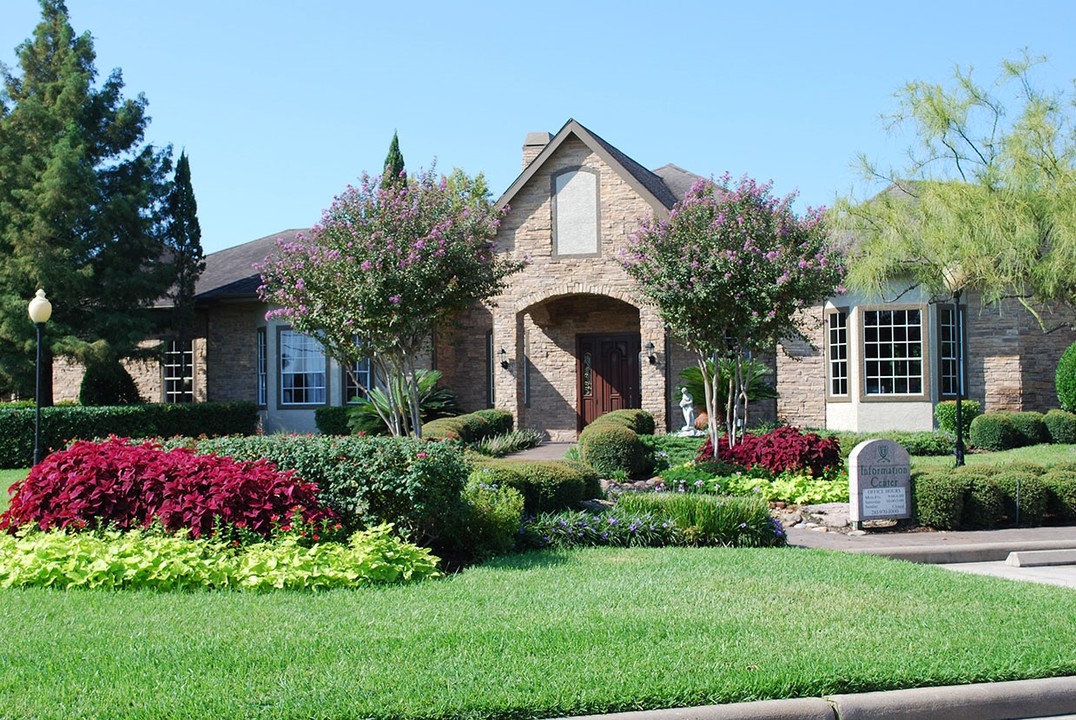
[(661, 188), (230, 273)]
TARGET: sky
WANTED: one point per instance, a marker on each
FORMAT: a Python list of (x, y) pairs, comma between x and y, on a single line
[(281, 104)]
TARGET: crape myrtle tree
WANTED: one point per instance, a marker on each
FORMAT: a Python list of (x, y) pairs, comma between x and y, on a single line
[(988, 196), (385, 267), (80, 206), (731, 270)]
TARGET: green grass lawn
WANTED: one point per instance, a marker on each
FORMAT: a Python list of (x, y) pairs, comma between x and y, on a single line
[(536, 635), (1042, 454), (7, 478)]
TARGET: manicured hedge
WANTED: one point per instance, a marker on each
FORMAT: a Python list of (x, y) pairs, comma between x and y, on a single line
[(1061, 425), (546, 485), (469, 428), (612, 448), (945, 414), (62, 424), (916, 443), (332, 420), (939, 500), (995, 431)]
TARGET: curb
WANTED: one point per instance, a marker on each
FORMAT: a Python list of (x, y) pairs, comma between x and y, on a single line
[(982, 552), (1051, 697)]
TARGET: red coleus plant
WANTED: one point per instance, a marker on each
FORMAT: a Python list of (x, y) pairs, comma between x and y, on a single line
[(125, 485), (785, 448)]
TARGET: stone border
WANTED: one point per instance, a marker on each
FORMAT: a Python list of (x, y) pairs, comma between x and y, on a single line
[(988, 701)]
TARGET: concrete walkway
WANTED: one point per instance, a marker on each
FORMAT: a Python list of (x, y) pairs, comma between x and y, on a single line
[(545, 451)]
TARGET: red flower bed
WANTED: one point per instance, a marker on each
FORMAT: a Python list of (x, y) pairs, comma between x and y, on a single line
[(93, 484), (785, 448)]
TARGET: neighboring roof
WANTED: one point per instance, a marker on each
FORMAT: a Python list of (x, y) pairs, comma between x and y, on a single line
[(661, 188), (230, 273)]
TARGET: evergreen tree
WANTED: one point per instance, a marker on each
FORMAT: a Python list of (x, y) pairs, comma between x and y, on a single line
[(183, 238), (394, 165), (80, 205)]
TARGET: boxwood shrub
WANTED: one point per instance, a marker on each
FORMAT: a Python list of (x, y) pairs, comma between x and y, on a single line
[(939, 500), (546, 485), (1060, 494), (994, 431), (984, 504), (62, 424), (1031, 427), (1061, 425), (611, 448), (945, 414), (1024, 495), (332, 420), (468, 428), (499, 422)]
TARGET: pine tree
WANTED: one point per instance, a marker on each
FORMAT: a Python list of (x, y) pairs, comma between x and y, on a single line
[(80, 205), (183, 237), (394, 165)]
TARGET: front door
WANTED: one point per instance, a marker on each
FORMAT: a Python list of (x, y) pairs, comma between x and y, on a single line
[(608, 371)]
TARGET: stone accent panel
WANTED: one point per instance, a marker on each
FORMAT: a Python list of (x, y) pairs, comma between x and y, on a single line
[(801, 376)]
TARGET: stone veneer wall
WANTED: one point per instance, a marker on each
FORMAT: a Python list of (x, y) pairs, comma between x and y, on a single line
[(527, 232), (801, 376), (1041, 353), (232, 356), (461, 355), (67, 376)]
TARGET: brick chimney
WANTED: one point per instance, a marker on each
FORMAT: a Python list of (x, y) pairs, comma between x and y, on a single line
[(533, 145)]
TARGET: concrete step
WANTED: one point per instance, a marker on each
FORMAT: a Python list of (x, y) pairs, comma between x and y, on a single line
[(1042, 558)]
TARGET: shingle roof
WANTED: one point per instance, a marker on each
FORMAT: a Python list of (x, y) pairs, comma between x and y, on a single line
[(230, 273)]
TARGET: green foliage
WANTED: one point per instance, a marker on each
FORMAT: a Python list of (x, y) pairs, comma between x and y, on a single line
[(108, 383), (81, 198), (1031, 427), (492, 519), (710, 519), (470, 428), (669, 450), (501, 445), (945, 415), (412, 484), (984, 504), (1065, 379), (1061, 426), (1024, 495), (394, 172), (61, 424), (546, 485), (986, 195), (939, 500), (368, 414), (608, 448), (332, 420), (615, 527), (183, 238), (149, 561), (390, 265), (1061, 494), (916, 443), (501, 422), (755, 381), (994, 431)]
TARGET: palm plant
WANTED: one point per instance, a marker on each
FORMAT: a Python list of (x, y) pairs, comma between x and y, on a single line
[(368, 415)]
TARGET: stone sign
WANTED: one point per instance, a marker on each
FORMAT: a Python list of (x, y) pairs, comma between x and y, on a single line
[(879, 482)]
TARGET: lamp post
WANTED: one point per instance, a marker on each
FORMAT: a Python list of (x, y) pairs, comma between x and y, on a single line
[(40, 310), (954, 281)]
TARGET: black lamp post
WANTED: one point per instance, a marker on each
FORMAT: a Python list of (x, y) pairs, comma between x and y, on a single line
[(954, 281), (40, 310)]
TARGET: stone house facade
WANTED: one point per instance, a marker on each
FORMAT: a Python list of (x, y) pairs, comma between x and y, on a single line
[(571, 337)]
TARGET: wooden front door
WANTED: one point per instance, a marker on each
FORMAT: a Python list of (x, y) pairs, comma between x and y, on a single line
[(608, 372)]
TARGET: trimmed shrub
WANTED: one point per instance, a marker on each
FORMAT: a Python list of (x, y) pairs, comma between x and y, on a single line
[(1024, 495), (1031, 427), (994, 431), (711, 519), (413, 484), (332, 420), (108, 383), (785, 448), (1022, 466), (1065, 379), (118, 484), (916, 443), (939, 500), (546, 485), (492, 521), (469, 428), (1060, 495), (62, 424), (1061, 426), (984, 504), (639, 421), (610, 448), (499, 422), (945, 415)]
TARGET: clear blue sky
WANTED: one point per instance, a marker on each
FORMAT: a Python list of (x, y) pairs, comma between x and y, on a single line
[(281, 104)]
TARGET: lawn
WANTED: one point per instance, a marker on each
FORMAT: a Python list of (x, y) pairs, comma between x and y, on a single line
[(1047, 454), (542, 634), (7, 478)]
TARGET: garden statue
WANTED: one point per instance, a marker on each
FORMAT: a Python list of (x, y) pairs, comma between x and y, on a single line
[(687, 404)]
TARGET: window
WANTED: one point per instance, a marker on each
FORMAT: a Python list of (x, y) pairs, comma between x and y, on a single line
[(179, 371), (357, 380), (263, 368), (837, 337), (893, 352), (948, 381), (302, 370)]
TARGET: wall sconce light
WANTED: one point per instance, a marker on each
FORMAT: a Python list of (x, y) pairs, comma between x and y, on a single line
[(650, 353), (503, 356)]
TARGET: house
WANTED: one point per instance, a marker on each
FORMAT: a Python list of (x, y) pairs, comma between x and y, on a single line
[(572, 338)]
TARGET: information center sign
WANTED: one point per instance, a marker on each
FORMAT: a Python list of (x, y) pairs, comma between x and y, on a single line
[(879, 482)]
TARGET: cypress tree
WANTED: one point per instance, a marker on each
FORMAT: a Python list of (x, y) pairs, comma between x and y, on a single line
[(394, 165)]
